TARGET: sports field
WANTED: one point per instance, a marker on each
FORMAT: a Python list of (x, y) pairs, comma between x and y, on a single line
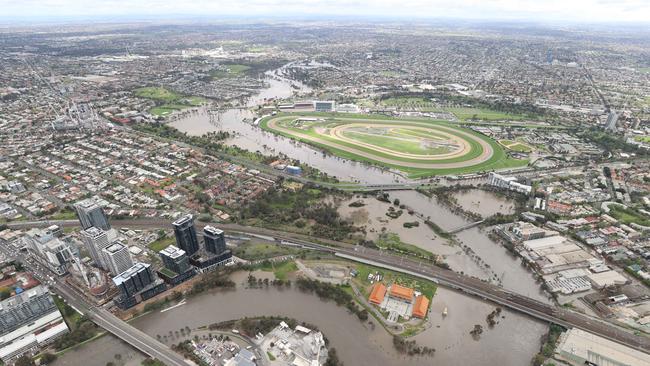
[(418, 147), (516, 146), (170, 100)]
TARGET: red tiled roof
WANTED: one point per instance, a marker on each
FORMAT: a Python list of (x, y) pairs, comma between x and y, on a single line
[(378, 293), (401, 292), (421, 306)]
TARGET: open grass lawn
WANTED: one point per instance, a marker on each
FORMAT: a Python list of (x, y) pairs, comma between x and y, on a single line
[(418, 133), (644, 69), (64, 215), (162, 243), (256, 250), (230, 71), (412, 146), (629, 215), (390, 73), (483, 114), (462, 113), (171, 101), (427, 288), (392, 241), (516, 146), (280, 270), (642, 139), (157, 93), (519, 147)]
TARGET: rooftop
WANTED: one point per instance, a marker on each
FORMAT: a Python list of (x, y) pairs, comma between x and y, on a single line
[(114, 248), (598, 350), (378, 293), (136, 268), (401, 292), (87, 204), (93, 232), (421, 306), (172, 251), (212, 230), (183, 220)]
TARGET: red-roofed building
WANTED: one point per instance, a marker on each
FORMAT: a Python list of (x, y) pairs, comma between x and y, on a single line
[(377, 294), (421, 307), (401, 292)]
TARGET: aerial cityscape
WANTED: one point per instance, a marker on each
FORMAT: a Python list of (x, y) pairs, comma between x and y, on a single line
[(316, 183)]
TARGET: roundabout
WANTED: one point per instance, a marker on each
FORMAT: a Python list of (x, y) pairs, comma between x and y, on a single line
[(417, 147)]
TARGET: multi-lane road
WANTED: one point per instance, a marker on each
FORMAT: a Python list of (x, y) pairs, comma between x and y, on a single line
[(473, 286), (103, 318), (129, 334)]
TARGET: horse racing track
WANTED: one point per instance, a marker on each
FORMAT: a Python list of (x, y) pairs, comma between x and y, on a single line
[(418, 147)]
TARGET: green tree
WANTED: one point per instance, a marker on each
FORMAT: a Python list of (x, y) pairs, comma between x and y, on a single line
[(24, 360), (47, 358), (5, 293)]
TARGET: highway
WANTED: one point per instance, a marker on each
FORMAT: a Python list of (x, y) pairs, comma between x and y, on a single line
[(127, 333), (103, 318), (565, 317)]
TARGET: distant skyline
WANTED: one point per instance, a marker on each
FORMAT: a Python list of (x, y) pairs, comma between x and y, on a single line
[(580, 11)]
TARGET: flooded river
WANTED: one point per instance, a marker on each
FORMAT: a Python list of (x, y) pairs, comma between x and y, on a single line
[(253, 138), (481, 257), (511, 342)]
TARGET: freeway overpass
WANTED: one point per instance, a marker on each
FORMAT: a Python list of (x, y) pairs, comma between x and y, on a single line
[(120, 329), (103, 318), (448, 278)]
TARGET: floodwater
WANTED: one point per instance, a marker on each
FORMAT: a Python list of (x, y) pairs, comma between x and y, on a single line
[(511, 342), (250, 137), (484, 203), (481, 257), (100, 352)]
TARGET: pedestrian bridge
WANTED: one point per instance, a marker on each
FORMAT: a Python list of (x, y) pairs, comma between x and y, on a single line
[(465, 227)]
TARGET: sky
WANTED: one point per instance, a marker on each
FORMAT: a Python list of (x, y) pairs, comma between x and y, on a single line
[(583, 11)]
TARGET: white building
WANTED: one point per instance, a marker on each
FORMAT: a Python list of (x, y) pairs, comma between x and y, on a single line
[(510, 183), (96, 240), (51, 251), (30, 320), (117, 258), (577, 347)]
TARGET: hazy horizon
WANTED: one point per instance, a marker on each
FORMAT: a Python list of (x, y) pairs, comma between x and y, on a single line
[(551, 11)]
